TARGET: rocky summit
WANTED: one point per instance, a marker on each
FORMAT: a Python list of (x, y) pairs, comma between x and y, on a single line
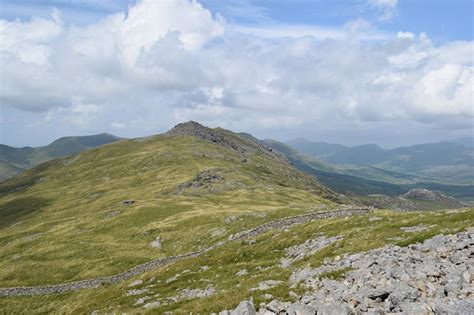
[(433, 277), (222, 137)]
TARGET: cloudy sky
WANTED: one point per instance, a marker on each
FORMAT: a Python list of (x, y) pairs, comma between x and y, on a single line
[(364, 71)]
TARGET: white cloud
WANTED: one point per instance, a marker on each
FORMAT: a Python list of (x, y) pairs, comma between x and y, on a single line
[(117, 125), (387, 8), (29, 42), (359, 28), (447, 90), (407, 35), (149, 21), (384, 3), (80, 115), (168, 61)]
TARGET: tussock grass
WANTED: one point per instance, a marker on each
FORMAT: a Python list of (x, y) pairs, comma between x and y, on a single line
[(261, 259), (64, 220)]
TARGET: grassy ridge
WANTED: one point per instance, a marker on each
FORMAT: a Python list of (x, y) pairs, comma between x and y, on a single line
[(64, 220)]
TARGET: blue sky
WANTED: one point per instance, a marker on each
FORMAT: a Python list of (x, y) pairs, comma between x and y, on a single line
[(384, 71), (442, 19)]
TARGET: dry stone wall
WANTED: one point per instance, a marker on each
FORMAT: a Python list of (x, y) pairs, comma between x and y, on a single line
[(97, 282)]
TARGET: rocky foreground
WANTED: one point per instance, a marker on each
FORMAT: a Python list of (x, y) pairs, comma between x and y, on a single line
[(436, 277)]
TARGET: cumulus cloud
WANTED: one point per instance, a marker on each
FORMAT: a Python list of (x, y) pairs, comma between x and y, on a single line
[(167, 61)]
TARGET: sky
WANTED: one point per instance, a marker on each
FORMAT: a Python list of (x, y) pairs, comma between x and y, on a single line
[(391, 72)]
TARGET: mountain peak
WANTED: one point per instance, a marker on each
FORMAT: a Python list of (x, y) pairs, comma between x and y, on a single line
[(239, 142), (195, 129), (218, 136), (190, 128)]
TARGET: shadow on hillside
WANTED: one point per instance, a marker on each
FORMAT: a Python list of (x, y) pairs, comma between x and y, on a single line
[(16, 210)]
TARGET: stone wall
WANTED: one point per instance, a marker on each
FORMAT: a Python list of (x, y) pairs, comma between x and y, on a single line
[(97, 282)]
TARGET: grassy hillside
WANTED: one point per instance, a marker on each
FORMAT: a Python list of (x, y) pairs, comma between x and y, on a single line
[(14, 160), (98, 213), (235, 271), (66, 219)]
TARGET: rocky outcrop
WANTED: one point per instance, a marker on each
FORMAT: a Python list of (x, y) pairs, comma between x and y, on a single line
[(415, 199), (431, 195), (157, 242), (386, 202), (203, 180), (195, 129), (223, 138), (308, 248), (97, 282), (433, 277)]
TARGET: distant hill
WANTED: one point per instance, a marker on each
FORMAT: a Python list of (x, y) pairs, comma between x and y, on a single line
[(467, 141), (444, 162), (14, 160), (366, 180), (316, 149), (366, 154), (414, 199), (423, 156)]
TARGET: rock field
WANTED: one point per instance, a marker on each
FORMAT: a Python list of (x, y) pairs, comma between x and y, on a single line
[(435, 277)]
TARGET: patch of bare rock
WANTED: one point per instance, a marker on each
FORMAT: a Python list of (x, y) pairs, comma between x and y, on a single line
[(433, 277), (204, 179), (307, 248), (183, 295), (157, 243), (430, 195), (410, 200), (415, 229)]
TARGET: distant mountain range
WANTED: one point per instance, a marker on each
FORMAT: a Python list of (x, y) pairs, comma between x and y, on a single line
[(14, 160), (444, 162), (367, 180)]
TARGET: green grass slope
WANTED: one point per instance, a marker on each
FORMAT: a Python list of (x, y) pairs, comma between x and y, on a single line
[(65, 219), (14, 160), (259, 257)]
